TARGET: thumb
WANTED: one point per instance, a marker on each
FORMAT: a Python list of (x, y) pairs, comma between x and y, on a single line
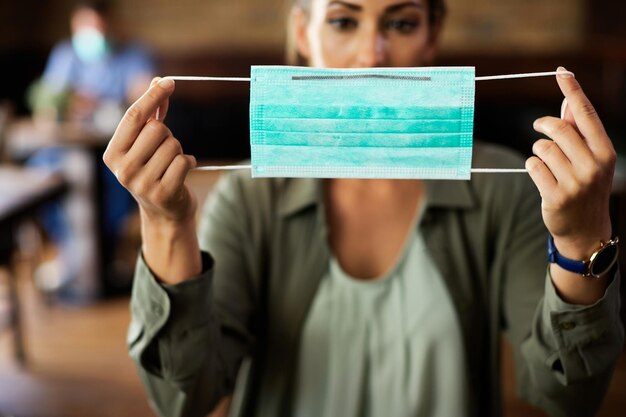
[(192, 161)]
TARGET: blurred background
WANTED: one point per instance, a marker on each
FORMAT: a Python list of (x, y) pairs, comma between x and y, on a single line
[(70, 357), (225, 38)]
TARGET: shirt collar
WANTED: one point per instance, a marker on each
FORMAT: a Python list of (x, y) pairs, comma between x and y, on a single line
[(299, 194), (450, 194)]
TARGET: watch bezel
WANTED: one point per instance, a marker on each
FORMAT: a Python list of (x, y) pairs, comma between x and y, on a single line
[(593, 260)]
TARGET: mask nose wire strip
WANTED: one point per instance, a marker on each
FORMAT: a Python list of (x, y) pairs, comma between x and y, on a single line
[(473, 170)]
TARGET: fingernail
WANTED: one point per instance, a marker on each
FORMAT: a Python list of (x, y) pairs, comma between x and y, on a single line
[(563, 73), (166, 83), (563, 108)]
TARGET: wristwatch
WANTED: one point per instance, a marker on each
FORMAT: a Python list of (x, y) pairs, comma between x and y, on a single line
[(599, 263)]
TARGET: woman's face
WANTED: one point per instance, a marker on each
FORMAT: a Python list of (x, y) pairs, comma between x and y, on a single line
[(365, 33)]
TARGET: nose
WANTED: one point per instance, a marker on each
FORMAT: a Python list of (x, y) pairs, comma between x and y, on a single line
[(371, 51)]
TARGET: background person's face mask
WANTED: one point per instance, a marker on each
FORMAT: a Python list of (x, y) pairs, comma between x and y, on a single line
[(89, 44), (365, 123)]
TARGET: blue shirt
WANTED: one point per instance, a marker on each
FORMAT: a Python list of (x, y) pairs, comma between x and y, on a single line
[(106, 79)]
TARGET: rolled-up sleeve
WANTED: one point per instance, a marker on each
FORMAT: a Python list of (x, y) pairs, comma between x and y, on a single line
[(572, 351), (175, 313), (174, 338), (564, 354), (190, 339)]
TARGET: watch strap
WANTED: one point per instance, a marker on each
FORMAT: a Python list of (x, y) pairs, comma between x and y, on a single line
[(578, 267)]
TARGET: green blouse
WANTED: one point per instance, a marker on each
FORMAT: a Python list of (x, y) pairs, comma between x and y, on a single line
[(391, 346)]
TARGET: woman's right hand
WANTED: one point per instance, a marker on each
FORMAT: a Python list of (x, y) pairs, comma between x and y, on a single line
[(147, 159)]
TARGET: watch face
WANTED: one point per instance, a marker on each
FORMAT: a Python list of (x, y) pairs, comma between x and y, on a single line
[(604, 260)]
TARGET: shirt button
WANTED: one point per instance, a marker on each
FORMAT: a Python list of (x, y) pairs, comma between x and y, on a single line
[(157, 309), (568, 325)]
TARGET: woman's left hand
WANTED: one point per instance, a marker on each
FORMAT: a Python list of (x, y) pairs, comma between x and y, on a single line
[(573, 171)]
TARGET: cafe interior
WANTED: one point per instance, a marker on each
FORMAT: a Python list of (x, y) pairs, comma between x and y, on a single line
[(69, 243)]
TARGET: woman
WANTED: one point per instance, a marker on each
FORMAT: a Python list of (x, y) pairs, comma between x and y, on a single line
[(372, 297)]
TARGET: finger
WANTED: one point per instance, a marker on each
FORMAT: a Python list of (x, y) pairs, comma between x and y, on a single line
[(541, 176), (584, 114), (149, 139), (174, 176), (568, 116), (566, 112), (155, 80), (162, 159), (161, 111), (563, 108), (568, 140), (126, 165), (138, 114), (555, 160)]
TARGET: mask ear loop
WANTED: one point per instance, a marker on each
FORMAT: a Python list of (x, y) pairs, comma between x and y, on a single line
[(485, 78), (508, 77), (472, 170), (194, 78), (523, 75)]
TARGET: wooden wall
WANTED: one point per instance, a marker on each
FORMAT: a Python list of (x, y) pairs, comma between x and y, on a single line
[(479, 25), (166, 25), (521, 26)]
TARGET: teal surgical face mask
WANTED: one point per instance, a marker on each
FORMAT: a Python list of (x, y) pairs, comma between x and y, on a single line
[(89, 44), (365, 123), (362, 123)]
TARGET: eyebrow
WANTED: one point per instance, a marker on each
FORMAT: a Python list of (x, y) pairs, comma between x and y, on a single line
[(389, 9)]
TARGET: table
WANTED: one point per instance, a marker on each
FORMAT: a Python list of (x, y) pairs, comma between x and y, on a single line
[(22, 192), (27, 136)]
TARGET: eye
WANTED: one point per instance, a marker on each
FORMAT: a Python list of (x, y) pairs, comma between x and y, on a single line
[(343, 23), (401, 25)]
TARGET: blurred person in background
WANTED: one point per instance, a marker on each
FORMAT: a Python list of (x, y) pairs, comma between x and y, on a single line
[(88, 81), (374, 297), (92, 75)]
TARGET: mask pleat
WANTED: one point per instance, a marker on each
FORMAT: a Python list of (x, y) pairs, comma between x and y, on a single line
[(365, 123)]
